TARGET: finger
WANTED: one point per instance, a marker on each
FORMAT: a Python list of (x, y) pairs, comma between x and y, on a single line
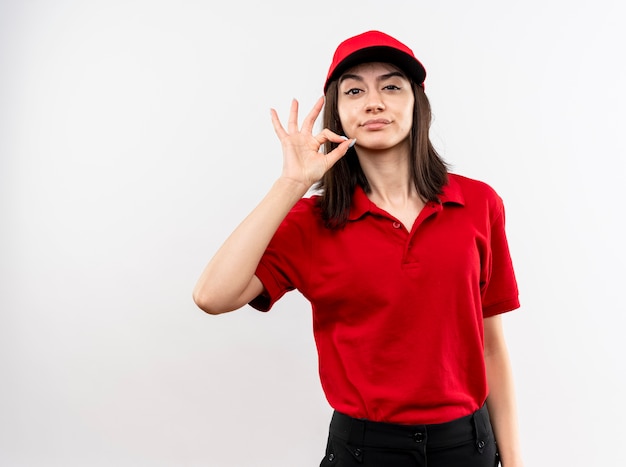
[(327, 135), (333, 156), (278, 127), (309, 121), (292, 125)]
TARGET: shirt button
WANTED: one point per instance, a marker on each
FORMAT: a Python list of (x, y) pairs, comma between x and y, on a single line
[(396, 225)]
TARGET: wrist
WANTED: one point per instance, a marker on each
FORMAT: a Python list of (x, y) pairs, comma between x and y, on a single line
[(292, 186), (512, 461)]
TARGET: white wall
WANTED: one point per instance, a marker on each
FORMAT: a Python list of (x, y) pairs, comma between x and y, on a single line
[(135, 135)]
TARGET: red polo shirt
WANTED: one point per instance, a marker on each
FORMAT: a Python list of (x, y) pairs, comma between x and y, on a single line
[(398, 315)]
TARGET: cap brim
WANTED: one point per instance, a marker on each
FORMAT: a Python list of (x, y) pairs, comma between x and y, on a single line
[(413, 68)]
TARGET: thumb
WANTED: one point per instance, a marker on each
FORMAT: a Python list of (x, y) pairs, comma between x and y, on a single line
[(333, 156)]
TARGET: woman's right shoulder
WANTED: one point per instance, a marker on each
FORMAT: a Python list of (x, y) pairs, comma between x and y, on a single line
[(305, 211)]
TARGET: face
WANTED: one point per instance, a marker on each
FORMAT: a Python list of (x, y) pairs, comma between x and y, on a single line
[(375, 104)]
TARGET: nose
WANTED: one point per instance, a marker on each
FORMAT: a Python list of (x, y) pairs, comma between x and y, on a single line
[(374, 102)]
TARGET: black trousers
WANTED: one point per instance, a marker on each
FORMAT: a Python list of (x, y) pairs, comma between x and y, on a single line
[(465, 442)]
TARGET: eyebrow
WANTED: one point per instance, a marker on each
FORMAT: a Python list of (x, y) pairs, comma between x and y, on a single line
[(346, 76)]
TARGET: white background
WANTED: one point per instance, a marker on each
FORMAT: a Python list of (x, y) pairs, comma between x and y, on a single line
[(135, 135)]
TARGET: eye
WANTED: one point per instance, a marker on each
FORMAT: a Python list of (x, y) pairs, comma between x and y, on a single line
[(391, 87), (352, 91)]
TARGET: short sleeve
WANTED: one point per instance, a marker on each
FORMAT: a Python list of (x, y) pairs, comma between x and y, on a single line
[(285, 264), (501, 292)]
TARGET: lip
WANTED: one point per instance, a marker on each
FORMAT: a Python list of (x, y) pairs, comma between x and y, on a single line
[(375, 123)]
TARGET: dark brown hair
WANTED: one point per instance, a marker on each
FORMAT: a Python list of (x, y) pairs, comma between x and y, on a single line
[(428, 170)]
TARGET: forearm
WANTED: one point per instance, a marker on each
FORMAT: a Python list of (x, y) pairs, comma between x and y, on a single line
[(224, 283), (228, 281), (502, 406)]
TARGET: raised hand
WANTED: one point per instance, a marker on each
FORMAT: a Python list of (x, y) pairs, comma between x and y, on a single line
[(302, 160)]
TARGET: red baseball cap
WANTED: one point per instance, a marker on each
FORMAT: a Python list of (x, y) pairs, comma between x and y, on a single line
[(375, 46)]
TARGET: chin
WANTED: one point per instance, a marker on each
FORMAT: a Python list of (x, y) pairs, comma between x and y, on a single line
[(378, 145)]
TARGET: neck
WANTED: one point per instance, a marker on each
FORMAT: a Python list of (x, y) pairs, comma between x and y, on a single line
[(392, 187), (388, 175)]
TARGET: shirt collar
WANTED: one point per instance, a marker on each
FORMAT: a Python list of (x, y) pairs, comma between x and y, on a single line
[(452, 192), (361, 204)]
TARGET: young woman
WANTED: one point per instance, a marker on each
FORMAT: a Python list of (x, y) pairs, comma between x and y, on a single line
[(406, 267)]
